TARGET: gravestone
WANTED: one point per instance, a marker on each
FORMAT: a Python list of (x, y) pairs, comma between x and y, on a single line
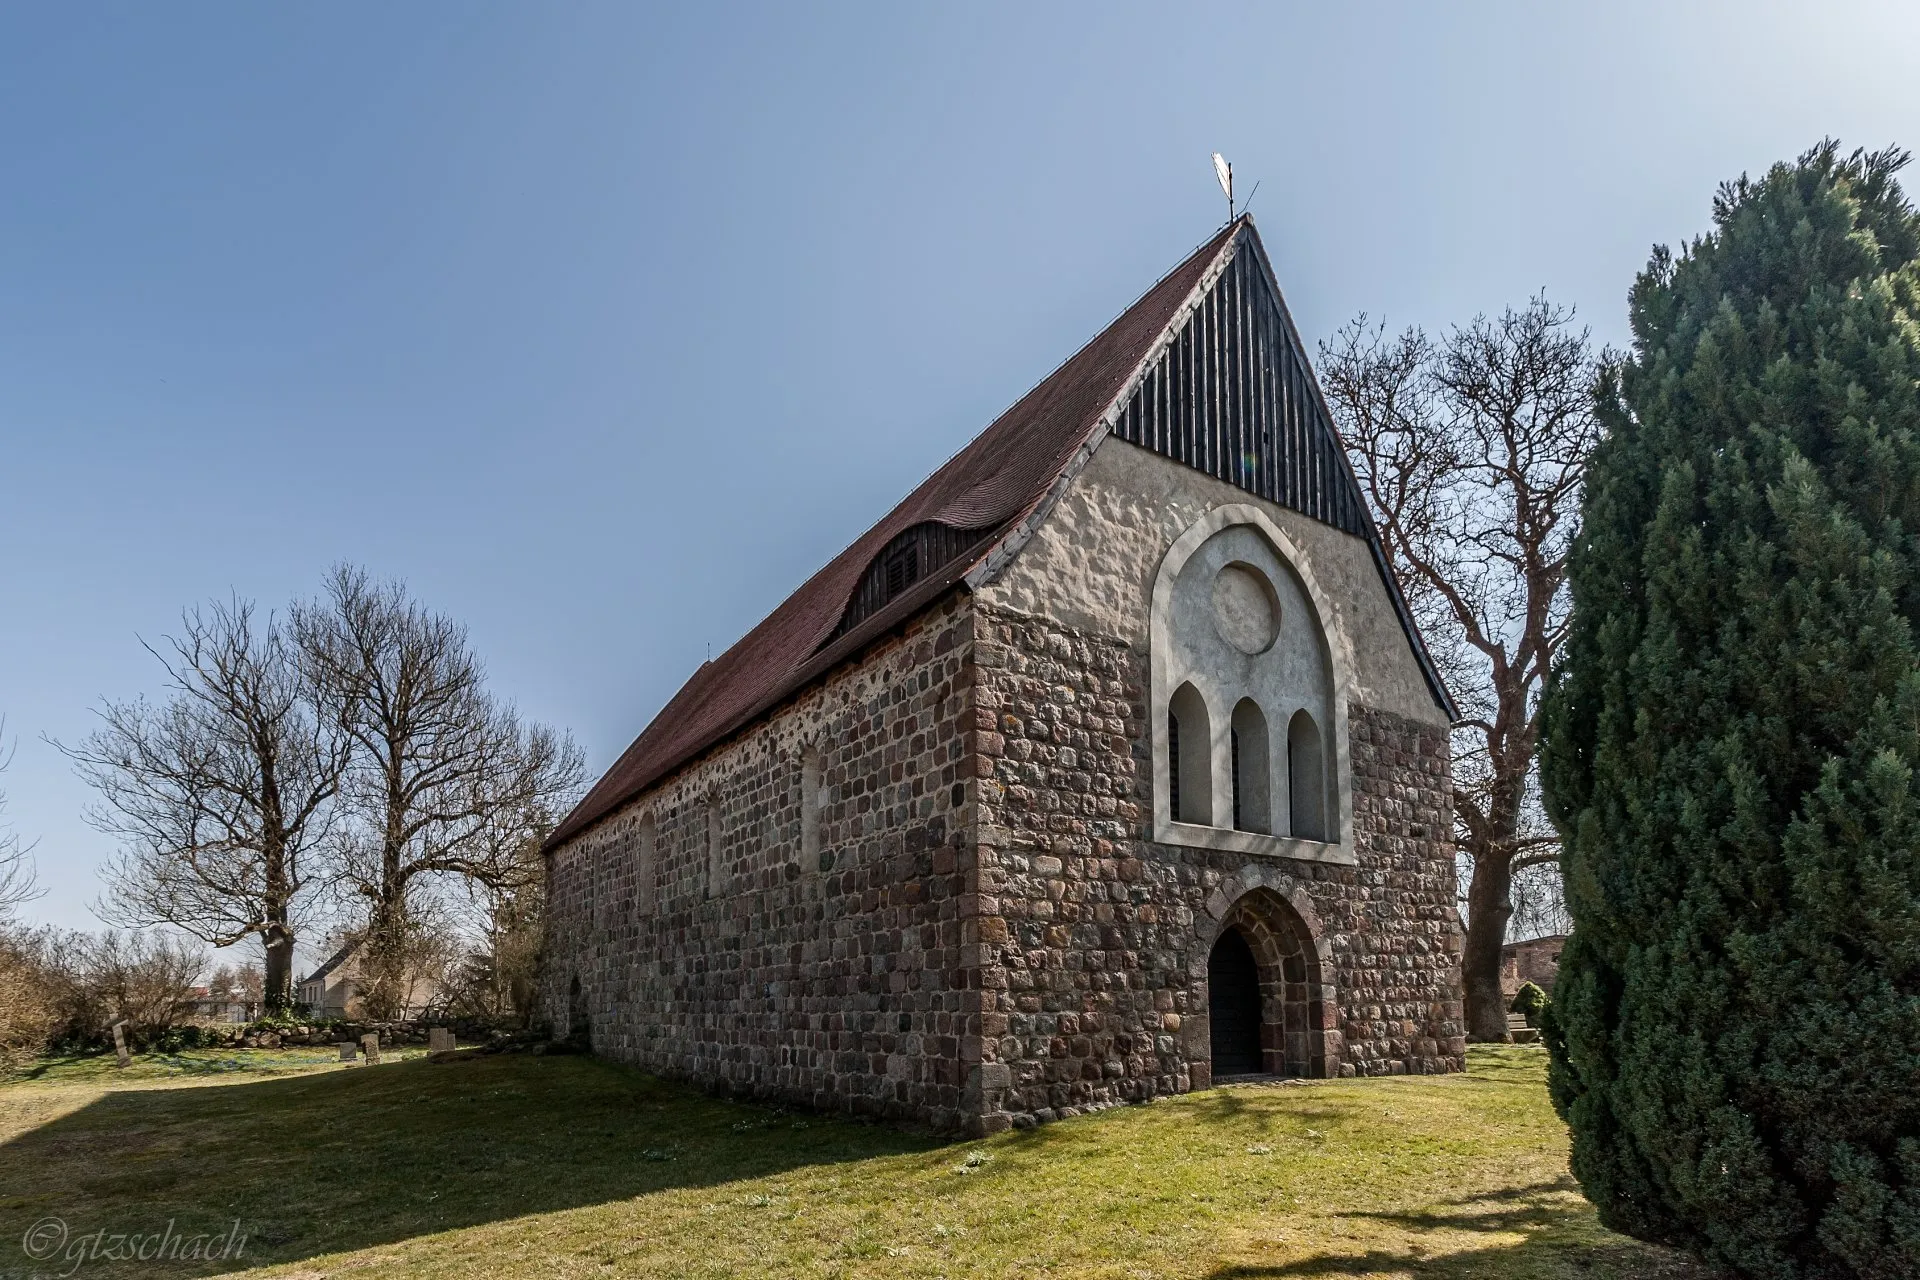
[(440, 1040), (370, 1044), (349, 1051), (120, 1044)]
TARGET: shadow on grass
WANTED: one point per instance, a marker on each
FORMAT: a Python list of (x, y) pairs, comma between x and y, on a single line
[(1507, 1063), (99, 1068), (1544, 1259), (1510, 1209), (357, 1157), (1552, 1245)]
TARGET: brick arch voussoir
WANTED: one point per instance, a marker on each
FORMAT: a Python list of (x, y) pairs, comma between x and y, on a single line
[(1235, 889)]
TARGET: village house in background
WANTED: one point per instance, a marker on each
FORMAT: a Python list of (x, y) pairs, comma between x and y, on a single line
[(334, 989), (1537, 960), (1108, 764), (224, 1005)]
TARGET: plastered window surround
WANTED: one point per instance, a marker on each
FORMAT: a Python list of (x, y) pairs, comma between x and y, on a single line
[(1208, 646)]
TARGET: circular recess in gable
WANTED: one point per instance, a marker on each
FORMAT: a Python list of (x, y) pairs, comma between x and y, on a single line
[(1246, 610)]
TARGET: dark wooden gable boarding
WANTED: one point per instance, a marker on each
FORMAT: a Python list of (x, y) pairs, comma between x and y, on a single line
[(1232, 395)]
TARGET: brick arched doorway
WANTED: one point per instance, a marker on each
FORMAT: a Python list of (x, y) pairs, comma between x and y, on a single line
[(1290, 1013)]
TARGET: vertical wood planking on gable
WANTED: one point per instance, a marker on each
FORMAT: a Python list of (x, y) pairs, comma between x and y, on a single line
[(1229, 397)]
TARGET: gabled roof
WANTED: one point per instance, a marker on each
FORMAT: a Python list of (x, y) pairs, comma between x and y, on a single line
[(334, 961), (995, 490)]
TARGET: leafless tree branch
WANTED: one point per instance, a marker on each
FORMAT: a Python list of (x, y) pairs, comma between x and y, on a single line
[(446, 781), (1471, 451), (18, 884), (219, 795)]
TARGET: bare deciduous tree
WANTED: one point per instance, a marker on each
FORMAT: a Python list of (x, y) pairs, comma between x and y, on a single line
[(500, 980), (88, 981), (244, 983), (147, 979), (221, 796), (1471, 451), (442, 774), (29, 1012), (18, 885)]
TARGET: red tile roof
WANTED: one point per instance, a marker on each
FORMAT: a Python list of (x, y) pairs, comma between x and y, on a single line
[(992, 485)]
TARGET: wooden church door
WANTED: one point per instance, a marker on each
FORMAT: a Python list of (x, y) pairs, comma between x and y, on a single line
[(1233, 1002)]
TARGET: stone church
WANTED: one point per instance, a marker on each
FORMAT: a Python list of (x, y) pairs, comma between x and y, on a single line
[(1107, 765)]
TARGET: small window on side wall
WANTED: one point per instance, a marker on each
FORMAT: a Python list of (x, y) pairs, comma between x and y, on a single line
[(716, 870), (1189, 758), (1306, 778)]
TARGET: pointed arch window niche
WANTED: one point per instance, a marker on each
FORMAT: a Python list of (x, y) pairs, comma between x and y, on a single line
[(1190, 773), (1249, 738), (1252, 776), (647, 864), (1306, 779), (716, 867)]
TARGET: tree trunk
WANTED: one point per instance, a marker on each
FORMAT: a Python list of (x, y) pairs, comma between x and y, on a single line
[(277, 986), (383, 957), (1489, 907)]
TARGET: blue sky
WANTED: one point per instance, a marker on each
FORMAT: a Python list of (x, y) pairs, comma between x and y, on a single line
[(603, 326)]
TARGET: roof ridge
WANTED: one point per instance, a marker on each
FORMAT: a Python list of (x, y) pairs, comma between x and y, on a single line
[(988, 564), (993, 484)]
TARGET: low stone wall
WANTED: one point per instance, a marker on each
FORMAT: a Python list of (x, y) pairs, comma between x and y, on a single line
[(414, 1031)]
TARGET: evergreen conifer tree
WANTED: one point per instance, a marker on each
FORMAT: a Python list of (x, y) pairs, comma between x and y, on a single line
[(1732, 737)]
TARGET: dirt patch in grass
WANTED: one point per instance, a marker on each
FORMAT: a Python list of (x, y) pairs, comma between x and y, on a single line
[(515, 1166)]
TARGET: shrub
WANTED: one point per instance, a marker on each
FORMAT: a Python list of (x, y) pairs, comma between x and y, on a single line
[(29, 1018), (178, 1039), (79, 984), (1531, 1001), (279, 1020)]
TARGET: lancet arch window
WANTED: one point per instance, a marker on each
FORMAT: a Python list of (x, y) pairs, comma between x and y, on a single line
[(1190, 759)]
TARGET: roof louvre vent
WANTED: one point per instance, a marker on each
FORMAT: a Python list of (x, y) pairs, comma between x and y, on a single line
[(903, 566), (910, 557)]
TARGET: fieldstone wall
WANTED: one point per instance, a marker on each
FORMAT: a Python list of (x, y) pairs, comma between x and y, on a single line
[(966, 922), (707, 949), (1397, 933), (1092, 941)]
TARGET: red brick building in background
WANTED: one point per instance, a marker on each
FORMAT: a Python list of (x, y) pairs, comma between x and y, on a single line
[(1537, 960), (1108, 764)]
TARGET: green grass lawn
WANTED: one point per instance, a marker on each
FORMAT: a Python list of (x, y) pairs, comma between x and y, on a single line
[(566, 1166)]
